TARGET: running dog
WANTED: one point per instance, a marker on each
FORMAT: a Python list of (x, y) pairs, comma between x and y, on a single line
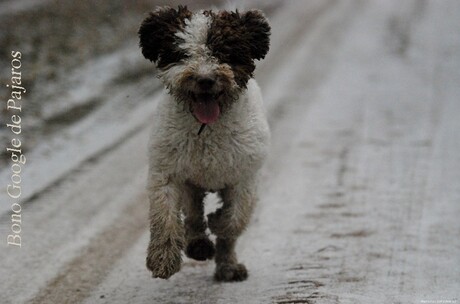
[(210, 134)]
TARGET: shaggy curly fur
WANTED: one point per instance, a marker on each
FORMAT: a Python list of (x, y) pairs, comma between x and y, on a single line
[(206, 61)]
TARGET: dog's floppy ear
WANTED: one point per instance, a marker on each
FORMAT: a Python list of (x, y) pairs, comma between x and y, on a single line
[(157, 31), (258, 32)]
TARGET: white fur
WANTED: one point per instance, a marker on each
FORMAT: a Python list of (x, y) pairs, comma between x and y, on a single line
[(228, 152), (193, 36)]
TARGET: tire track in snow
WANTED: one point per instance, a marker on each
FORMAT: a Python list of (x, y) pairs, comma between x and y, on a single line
[(368, 235), (91, 266)]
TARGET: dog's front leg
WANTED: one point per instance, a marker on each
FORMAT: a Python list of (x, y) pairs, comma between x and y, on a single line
[(227, 223), (166, 228), (199, 246)]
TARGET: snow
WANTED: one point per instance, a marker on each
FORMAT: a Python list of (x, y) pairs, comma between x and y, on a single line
[(359, 199)]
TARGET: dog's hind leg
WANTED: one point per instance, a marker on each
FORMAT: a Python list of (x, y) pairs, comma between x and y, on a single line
[(166, 228), (199, 247), (228, 223)]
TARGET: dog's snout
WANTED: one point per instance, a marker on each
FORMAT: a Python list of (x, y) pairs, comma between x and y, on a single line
[(205, 83)]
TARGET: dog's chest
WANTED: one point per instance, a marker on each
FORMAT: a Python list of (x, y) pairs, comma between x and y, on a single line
[(213, 162), (214, 159)]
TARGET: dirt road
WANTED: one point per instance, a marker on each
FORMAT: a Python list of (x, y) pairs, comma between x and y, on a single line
[(359, 200)]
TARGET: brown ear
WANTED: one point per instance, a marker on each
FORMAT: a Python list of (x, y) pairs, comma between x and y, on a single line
[(258, 33), (156, 32)]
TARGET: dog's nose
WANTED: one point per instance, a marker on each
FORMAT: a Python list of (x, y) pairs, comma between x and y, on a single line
[(205, 83)]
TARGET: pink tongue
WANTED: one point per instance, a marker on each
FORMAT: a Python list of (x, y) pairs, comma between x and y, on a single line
[(206, 112)]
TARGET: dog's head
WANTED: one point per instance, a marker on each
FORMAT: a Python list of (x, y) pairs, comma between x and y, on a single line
[(205, 58)]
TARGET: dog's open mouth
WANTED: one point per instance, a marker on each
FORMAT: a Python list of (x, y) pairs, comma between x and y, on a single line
[(206, 107)]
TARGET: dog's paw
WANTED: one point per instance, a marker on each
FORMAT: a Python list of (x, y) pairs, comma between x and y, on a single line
[(163, 261), (200, 249), (230, 272)]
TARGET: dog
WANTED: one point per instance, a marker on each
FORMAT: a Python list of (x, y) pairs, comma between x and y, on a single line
[(210, 134)]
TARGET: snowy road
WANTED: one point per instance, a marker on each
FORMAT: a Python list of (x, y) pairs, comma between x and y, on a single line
[(359, 200)]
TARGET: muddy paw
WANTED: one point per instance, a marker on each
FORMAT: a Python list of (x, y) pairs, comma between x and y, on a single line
[(200, 249), (163, 261), (230, 272)]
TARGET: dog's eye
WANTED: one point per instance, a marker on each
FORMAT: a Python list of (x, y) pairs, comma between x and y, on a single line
[(238, 59), (171, 58), (232, 58)]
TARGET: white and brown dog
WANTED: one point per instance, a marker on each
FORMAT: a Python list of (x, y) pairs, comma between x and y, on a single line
[(210, 134)]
